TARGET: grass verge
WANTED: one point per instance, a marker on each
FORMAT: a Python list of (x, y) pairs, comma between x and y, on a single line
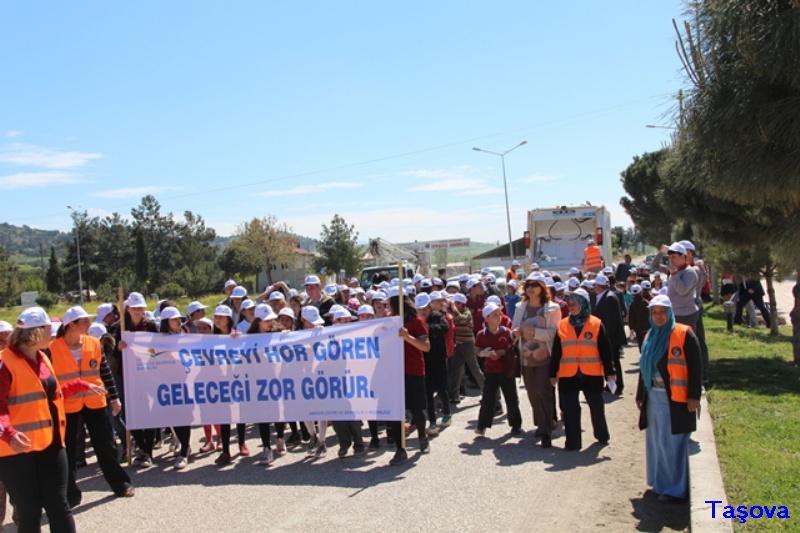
[(755, 405)]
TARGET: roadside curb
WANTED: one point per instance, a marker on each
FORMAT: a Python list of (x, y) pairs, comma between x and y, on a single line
[(705, 477)]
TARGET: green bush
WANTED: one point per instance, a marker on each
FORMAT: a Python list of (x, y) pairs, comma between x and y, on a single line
[(170, 291), (47, 299)]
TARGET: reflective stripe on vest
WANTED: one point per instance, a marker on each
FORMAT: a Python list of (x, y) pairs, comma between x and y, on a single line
[(28, 407), (676, 365), (579, 353), (593, 259), (67, 369)]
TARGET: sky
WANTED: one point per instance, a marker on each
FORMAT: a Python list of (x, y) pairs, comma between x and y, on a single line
[(306, 109)]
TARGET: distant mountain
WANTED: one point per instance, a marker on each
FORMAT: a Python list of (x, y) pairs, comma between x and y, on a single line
[(23, 242), (306, 243)]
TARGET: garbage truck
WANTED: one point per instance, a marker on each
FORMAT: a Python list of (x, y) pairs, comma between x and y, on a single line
[(557, 236)]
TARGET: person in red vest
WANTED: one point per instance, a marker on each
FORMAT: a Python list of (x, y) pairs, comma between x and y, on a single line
[(592, 258), (581, 357), (668, 397), (75, 354), (33, 462)]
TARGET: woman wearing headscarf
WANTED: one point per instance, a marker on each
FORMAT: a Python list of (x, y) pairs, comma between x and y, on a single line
[(668, 397), (580, 358)]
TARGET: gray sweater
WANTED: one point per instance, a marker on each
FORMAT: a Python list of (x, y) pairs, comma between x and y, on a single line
[(682, 291)]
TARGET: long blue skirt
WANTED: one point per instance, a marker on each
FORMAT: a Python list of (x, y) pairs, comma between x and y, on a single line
[(667, 454)]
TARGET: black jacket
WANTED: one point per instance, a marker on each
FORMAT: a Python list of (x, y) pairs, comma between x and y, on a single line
[(609, 312), (681, 420), (437, 331)]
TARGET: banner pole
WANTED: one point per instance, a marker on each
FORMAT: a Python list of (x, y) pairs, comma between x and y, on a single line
[(120, 306), (400, 299)]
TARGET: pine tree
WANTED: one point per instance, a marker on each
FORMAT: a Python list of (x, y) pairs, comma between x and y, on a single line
[(55, 278)]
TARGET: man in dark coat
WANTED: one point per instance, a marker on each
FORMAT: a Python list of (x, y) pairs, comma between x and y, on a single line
[(608, 309)]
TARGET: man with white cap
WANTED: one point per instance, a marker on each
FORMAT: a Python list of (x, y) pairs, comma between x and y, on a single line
[(512, 297), (592, 257), (511, 274), (227, 289), (700, 329), (682, 286), (317, 298), (464, 349), (608, 310)]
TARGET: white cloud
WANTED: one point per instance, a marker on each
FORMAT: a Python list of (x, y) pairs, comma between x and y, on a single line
[(451, 184), (37, 156), (311, 189), (13, 133), (25, 180), (134, 192), (536, 179)]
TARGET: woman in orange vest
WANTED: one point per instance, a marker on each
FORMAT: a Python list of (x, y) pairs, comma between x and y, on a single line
[(668, 397), (33, 462), (77, 355), (581, 357)]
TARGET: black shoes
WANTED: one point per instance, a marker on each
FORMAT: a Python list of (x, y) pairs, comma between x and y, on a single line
[(400, 456)]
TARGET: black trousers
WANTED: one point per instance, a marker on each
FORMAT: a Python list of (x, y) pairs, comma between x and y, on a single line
[(615, 355), (105, 449), (263, 432), (145, 440), (568, 391), (183, 434), (226, 436), (37, 480), (493, 383), (436, 382)]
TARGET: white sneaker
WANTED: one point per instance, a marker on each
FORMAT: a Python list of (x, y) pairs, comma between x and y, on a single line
[(180, 463), (144, 461), (175, 446), (311, 448), (266, 457), (321, 450), (280, 448)]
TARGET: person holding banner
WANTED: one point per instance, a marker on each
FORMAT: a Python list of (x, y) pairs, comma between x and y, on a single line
[(223, 325), (264, 322), (33, 462), (415, 334), (311, 319), (205, 326), (75, 354), (171, 324), (348, 432), (136, 320)]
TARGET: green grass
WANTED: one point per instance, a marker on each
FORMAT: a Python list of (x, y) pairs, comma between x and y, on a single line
[(755, 405), (10, 314)]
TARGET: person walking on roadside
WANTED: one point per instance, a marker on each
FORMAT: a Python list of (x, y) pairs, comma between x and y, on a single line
[(608, 309), (592, 257), (668, 397), (581, 357), (464, 349), (639, 315), (682, 287)]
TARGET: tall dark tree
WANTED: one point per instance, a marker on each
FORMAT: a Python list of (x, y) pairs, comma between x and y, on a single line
[(9, 279), (338, 248), (142, 263), (642, 181), (54, 279)]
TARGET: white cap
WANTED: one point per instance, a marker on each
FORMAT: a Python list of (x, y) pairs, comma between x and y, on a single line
[(573, 271), (573, 283), (463, 278), (247, 304), (425, 283), (601, 280), (438, 281), (354, 280), (494, 299), (491, 278), (75, 313), (369, 294), (195, 307), (135, 299), (103, 310), (239, 292), (223, 310), (488, 309), (276, 295), (660, 299), (366, 310), (486, 270), (558, 286), (392, 292), (384, 284), (677, 248), (342, 288), (459, 298), (311, 280), (437, 295), (512, 283), (265, 312), (170, 312), (514, 263), (453, 284), (97, 330), (535, 265), (342, 313), (311, 314), (230, 283), (287, 311), (548, 282), (334, 308), (379, 296), (330, 289), (394, 282), (5, 326), (688, 245), (33, 317), (662, 290), (422, 300), (54, 328), (535, 276), (472, 282), (411, 289), (608, 270), (292, 293), (657, 274), (646, 285), (150, 315), (636, 289), (417, 277), (590, 241), (582, 293), (205, 320)]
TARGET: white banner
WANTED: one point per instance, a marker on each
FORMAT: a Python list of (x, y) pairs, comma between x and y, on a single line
[(345, 372)]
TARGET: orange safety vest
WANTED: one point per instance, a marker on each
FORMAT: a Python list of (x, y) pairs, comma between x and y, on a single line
[(592, 256), (28, 408), (579, 353), (67, 370), (676, 365)]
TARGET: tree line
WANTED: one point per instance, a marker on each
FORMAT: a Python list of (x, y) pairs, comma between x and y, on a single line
[(730, 180)]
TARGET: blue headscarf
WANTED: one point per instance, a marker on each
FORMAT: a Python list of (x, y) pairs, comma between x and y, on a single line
[(578, 320), (654, 347)]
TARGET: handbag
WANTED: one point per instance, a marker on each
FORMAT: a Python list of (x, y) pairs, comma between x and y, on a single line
[(513, 365)]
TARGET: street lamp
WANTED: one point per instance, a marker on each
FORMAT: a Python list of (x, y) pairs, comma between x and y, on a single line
[(78, 245), (505, 187)]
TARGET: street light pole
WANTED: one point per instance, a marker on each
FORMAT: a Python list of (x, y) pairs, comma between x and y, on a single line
[(78, 245), (505, 188)]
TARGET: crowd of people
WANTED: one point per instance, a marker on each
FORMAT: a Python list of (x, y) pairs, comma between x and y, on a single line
[(61, 379)]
